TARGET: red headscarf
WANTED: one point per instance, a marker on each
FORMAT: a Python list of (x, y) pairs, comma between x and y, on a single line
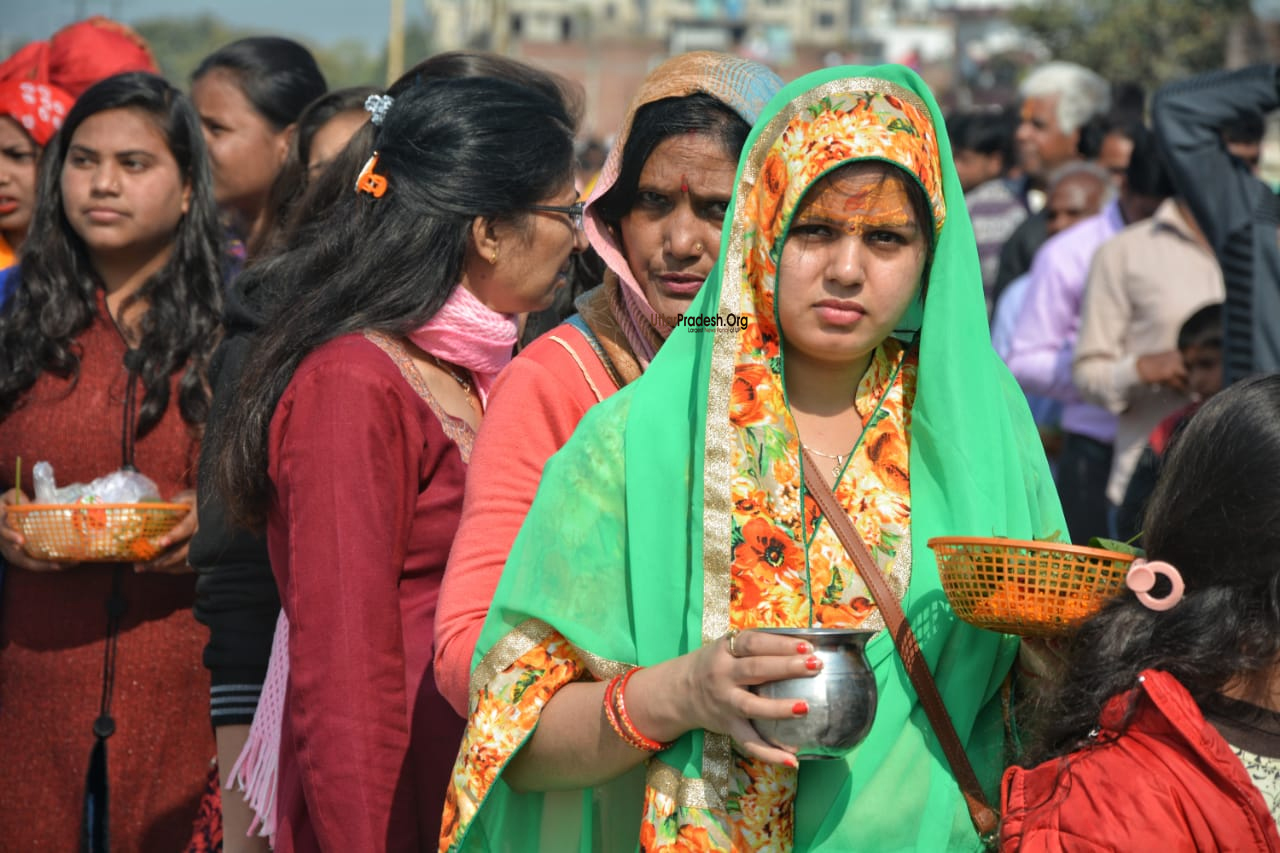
[(79, 55), (38, 107)]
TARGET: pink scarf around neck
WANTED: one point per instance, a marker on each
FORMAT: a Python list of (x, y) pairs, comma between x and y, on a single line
[(469, 334)]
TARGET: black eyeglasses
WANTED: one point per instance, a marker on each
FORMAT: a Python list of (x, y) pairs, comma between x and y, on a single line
[(573, 211)]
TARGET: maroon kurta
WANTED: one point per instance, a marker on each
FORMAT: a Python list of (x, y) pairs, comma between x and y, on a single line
[(53, 631), (368, 473)]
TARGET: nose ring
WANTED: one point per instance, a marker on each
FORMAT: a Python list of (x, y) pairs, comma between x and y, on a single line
[(698, 248)]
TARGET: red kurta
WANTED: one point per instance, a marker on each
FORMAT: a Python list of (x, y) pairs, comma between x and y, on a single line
[(53, 631), (368, 473)]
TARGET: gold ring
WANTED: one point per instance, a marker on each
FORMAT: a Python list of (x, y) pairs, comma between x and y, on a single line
[(732, 634)]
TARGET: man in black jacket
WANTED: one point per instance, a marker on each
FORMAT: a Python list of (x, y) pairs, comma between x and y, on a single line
[(1238, 213)]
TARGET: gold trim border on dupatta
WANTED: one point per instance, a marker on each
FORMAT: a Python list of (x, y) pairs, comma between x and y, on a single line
[(521, 640), (602, 668), (686, 793), (515, 644), (718, 439)]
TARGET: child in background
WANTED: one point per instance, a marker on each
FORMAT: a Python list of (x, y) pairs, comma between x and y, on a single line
[(1200, 343), (1166, 728)]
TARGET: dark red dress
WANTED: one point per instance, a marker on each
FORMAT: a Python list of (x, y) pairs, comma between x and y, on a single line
[(53, 630), (369, 473)]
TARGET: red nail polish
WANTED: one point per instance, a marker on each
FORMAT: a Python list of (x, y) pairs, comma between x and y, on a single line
[(802, 648), (792, 763), (813, 663), (800, 708)]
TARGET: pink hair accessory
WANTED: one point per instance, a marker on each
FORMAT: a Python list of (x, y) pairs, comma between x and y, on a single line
[(1142, 579)]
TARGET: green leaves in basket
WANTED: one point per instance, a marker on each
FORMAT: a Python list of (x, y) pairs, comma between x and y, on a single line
[(1055, 536), (1118, 547)]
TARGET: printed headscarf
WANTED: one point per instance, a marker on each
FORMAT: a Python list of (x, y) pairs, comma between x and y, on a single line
[(81, 54), (38, 108), (741, 85)]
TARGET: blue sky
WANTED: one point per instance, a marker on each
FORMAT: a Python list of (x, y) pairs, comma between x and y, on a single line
[(317, 21)]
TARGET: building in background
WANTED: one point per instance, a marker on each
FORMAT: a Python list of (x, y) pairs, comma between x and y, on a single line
[(610, 45), (685, 24)]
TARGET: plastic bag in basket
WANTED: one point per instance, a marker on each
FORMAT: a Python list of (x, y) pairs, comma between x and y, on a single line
[(115, 517), (124, 487)]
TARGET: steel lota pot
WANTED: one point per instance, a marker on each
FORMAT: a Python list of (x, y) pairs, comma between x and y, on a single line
[(842, 697)]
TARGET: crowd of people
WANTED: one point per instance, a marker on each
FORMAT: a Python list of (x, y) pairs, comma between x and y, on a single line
[(500, 449)]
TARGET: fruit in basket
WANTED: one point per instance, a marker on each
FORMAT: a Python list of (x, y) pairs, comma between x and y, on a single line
[(117, 517), (1013, 603), (1034, 588), (142, 549), (91, 519), (96, 533), (128, 526)]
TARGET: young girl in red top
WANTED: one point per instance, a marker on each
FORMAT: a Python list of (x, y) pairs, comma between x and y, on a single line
[(1166, 730), (104, 353)]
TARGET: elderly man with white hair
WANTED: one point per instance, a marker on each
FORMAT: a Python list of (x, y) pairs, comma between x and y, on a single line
[(1058, 100)]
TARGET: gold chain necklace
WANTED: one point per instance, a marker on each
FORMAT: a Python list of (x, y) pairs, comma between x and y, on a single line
[(447, 368), (840, 458), (835, 469)]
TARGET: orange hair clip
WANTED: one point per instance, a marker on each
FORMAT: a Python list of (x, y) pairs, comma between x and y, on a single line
[(369, 182)]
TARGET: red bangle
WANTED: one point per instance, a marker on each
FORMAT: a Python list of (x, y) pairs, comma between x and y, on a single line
[(631, 733), (609, 713)]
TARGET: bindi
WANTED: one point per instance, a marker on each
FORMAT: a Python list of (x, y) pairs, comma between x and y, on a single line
[(684, 184)]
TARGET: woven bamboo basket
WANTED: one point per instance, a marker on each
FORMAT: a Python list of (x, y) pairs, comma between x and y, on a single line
[(1033, 589), (95, 533)]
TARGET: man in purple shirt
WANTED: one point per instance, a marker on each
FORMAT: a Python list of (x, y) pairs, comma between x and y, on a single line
[(1043, 343)]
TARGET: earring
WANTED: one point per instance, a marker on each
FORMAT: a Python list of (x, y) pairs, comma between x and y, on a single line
[(493, 259)]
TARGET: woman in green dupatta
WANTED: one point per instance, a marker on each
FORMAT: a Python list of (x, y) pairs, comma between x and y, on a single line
[(677, 512)]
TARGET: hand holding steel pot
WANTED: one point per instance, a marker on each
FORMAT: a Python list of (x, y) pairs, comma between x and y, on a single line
[(841, 698)]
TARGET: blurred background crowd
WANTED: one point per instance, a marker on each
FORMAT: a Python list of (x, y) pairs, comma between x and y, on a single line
[(971, 52)]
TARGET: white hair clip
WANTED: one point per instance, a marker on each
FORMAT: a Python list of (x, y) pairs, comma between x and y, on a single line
[(377, 106)]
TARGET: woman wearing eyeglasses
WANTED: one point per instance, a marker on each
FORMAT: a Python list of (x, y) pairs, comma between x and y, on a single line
[(349, 435), (655, 217)]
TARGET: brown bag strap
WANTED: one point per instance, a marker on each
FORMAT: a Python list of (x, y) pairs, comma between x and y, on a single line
[(985, 819)]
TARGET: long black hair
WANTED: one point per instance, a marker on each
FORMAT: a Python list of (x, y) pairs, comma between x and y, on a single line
[(451, 151), (1215, 516), (278, 76), (294, 177), (323, 191), (57, 295)]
